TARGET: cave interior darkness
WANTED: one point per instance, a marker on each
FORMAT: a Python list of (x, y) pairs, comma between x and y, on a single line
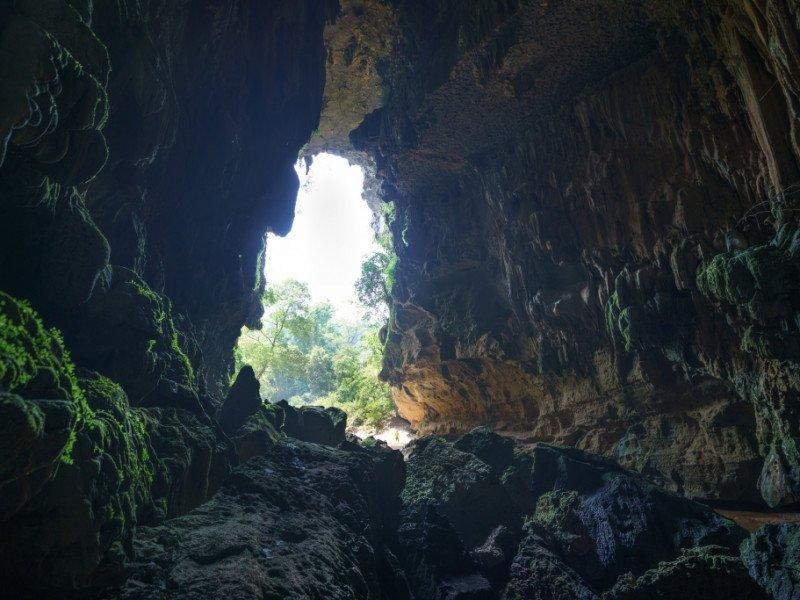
[(589, 294)]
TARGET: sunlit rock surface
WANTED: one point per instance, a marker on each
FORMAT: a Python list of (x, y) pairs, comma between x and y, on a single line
[(597, 231)]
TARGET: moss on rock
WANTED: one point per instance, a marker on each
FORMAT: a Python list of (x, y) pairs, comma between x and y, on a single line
[(41, 404), (704, 573), (769, 273), (93, 503), (33, 359), (134, 340), (118, 431)]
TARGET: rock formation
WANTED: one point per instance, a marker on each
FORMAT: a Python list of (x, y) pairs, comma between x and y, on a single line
[(597, 231), (594, 211)]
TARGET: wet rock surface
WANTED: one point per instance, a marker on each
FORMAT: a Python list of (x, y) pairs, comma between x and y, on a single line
[(593, 529)]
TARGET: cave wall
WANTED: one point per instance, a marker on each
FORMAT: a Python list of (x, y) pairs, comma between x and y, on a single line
[(597, 231), (145, 149)]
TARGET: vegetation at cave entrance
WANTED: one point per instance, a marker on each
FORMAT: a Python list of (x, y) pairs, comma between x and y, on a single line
[(304, 353)]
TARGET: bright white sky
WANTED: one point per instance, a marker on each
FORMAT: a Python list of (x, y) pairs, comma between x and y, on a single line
[(331, 235)]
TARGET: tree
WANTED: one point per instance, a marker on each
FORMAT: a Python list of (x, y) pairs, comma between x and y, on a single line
[(371, 286), (304, 353), (374, 285), (276, 350), (319, 372), (359, 391)]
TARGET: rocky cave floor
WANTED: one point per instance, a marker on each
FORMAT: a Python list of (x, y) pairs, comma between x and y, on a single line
[(321, 514)]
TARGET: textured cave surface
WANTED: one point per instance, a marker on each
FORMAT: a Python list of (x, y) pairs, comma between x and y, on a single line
[(598, 256)]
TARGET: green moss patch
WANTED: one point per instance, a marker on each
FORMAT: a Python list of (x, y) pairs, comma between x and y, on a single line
[(771, 272), (115, 440), (35, 364), (619, 322)]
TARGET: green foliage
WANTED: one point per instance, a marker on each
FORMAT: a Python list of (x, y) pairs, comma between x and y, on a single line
[(35, 363), (27, 349), (278, 351), (319, 371), (305, 354), (359, 391), (374, 286)]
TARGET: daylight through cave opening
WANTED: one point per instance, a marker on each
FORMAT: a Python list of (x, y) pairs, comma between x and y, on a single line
[(325, 302)]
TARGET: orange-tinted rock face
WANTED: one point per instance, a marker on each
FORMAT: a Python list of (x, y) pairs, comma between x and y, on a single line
[(596, 231)]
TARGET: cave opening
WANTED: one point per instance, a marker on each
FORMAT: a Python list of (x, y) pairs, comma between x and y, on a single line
[(325, 302)]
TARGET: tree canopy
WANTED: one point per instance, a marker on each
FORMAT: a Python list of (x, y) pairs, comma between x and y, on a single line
[(305, 354)]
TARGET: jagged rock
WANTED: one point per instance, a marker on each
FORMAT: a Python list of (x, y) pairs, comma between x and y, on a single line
[(615, 276), (590, 270), (314, 423), (129, 335), (705, 573), (191, 460), (304, 521), (772, 556), (243, 401), (496, 451), (434, 558), (494, 556), (92, 503), (259, 433), (606, 521), (203, 147), (590, 522), (462, 488), (538, 573), (53, 101)]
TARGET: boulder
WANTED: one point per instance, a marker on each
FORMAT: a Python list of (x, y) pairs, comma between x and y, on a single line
[(434, 558), (608, 521), (297, 523), (705, 573), (538, 573), (314, 423), (259, 433), (242, 402), (772, 557), (463, 488), (495, 450)]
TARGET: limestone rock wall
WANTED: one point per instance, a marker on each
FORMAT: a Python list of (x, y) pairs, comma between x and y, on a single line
[(597, 231)]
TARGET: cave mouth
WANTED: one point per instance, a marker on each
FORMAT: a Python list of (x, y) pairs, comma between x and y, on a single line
[(332, 234), (325, 302)]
